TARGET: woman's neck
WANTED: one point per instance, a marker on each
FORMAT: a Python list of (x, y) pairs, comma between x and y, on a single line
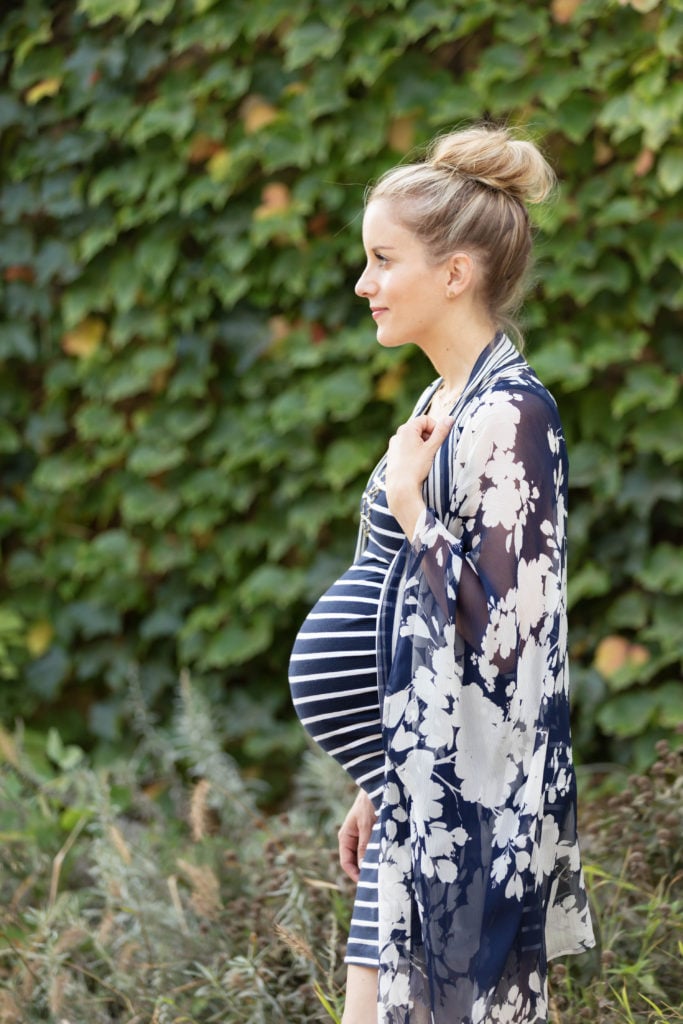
[(454, 357)]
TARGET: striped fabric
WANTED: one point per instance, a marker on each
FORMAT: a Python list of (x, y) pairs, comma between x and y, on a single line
[(333, 679)]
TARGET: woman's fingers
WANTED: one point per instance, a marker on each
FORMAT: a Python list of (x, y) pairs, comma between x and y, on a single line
[(415, 443), (354, 835), (348, 853), (440, 431)]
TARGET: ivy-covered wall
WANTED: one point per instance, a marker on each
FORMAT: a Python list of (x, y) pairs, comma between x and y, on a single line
[(191, 395)]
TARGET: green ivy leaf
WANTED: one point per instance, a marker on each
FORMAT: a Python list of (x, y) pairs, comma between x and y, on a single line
[(152, 459), (629, 714), (310, 41), (670, 704), (663, 570), (64, 471), (96, 422), (647, 385), (98, 11), (590, 581), (670, 170), (134, 374), (662, 433), (9, 438), (346, 459), (272, 585)]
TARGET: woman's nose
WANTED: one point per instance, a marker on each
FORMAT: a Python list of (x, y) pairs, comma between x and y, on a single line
[(364, 286)]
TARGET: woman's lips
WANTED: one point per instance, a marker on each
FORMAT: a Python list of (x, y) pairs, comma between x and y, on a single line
[(378, 311)]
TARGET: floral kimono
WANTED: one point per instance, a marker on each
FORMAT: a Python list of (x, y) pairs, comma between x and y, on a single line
[(480, 880)]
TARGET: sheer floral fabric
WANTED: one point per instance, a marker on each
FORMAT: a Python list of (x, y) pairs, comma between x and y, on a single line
[(480, 879)]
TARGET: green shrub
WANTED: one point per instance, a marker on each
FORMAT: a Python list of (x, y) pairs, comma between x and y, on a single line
[(191, 396)]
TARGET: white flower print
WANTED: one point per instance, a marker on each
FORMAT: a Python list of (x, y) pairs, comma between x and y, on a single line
[(546, 852), (500, 637), (504, 502), (481, 749), (506, 827), (539, 586), (425, 794), (438, 854), (436, 721)]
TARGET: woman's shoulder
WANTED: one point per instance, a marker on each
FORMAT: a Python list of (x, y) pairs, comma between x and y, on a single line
[(519, 390), (506, 412)]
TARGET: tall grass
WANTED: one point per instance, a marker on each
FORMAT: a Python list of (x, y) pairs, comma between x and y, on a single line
[(633, 846), (156, 891)]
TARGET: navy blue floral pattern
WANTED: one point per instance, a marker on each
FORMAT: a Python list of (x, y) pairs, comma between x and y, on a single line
[(480, 879)]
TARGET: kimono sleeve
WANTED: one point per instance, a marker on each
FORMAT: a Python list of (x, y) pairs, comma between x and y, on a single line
[(489, 569)]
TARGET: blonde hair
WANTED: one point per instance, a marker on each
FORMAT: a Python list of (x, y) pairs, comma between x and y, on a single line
[(470, 194)]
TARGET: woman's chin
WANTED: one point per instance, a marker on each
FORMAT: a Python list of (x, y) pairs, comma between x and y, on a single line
[(387, 340)]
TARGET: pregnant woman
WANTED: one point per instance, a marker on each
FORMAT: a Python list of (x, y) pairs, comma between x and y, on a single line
[(435, 669)]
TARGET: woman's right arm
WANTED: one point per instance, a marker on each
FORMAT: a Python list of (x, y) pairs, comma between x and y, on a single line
[(354, 834)]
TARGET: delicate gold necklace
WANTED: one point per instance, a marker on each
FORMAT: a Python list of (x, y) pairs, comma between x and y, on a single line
[(443, 400)]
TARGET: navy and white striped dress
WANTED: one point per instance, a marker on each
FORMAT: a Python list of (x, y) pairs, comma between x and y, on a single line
[(333, 678)]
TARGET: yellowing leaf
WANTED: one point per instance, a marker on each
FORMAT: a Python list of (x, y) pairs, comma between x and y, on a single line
[(8, 749), (318, 224), (159, 381), (84, 339), (203, 147), (257, 113), (638, 654), (275, 198), (610, 655), (603, 152), (19, 272), (644, 163), (615, 652), (389, 383), (402, 134), (564, 10), (39, 637), (279, 327), (39, 91), (318, 332), (219, 165)]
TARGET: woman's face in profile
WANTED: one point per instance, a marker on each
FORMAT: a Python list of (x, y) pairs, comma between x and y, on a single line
[(407, 294)]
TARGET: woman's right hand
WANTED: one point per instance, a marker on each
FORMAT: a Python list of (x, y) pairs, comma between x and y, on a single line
[(410, 456), (354, 834)]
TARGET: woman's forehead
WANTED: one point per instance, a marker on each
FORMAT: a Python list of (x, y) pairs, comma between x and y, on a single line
[(381, 224)]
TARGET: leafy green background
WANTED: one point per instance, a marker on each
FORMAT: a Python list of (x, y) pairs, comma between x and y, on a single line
[(191, 396)]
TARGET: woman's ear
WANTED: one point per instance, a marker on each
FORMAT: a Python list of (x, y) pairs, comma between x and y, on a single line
[(460, 273)]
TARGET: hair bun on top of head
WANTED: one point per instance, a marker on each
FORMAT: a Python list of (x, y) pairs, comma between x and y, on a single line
[(494, 158)]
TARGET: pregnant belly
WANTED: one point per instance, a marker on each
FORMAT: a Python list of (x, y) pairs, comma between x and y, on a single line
[(333, 675)]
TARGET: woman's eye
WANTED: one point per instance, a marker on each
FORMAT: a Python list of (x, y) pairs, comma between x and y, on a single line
[(381, 258)]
